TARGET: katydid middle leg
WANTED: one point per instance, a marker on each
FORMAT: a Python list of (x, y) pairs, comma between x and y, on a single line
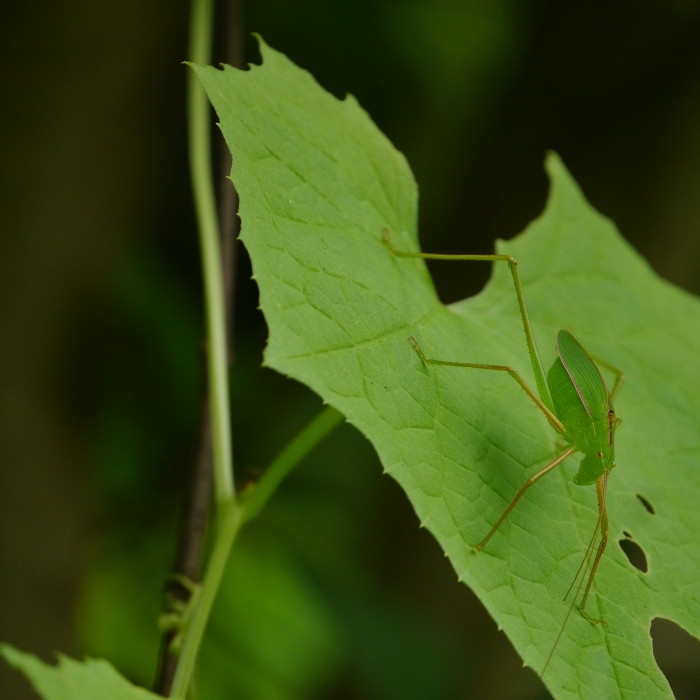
[(556, 423)]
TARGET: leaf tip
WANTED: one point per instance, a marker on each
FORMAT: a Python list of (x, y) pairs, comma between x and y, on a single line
[(558, 174)]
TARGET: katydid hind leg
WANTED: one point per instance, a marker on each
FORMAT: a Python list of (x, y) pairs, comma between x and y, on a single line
[(601, 486), (602, 526), (532, 480)]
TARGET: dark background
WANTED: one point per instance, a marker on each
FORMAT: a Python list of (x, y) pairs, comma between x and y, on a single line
[(100, 313)]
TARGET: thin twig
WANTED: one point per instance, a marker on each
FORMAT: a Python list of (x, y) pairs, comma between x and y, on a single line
[(232, 48), (188, 557)]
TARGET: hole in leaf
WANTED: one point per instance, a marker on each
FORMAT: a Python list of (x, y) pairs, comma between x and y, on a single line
[(678, 655), (634, 553), (646, 504)]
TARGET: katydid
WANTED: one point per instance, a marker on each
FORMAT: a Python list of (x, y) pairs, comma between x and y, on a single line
[(573, 397)]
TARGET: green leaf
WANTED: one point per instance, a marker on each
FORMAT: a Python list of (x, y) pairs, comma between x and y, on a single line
[(318, 183), (92, 679)]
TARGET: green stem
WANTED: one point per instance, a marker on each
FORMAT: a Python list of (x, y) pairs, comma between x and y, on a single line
[(254, 500), (230, 517), (205, 205), (228, 523), (227, 511)]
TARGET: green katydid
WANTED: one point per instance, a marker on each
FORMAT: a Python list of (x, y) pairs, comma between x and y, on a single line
[(573, 397)]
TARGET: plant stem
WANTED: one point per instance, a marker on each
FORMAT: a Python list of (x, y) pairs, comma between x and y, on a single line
[(254, 500), (205, 205), (230, 513), (187, 564), (228, 522), (227, 511)]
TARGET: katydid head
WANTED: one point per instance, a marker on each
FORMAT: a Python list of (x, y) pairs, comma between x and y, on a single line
[(582, 403)]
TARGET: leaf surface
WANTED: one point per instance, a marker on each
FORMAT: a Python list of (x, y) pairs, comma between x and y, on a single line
[(91, 679), (318, 183)]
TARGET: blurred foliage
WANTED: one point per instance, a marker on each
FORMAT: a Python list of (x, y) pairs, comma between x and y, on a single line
[(101, 324)]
